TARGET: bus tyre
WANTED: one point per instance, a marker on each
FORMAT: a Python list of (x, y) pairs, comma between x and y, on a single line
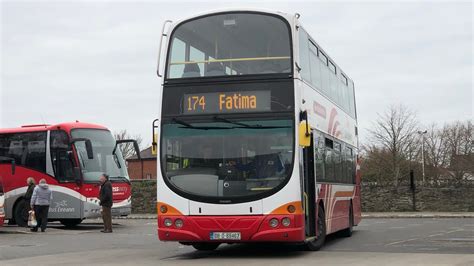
[(70, 222), (206, 246), (317, 243), (348, 231), (20, 213)]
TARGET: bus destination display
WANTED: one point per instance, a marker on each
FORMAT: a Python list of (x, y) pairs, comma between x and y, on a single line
[(226, 102)]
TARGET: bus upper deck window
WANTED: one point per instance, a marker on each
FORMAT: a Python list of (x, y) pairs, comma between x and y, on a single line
[(228, 45)]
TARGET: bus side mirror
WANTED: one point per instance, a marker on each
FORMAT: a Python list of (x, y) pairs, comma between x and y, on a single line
[(135, 146), (88, 143), (304, 135)]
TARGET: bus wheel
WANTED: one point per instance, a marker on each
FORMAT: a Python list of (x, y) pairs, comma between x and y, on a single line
[(70, 222), (20, 213), (348, 231), (317, 243), (205, 246)]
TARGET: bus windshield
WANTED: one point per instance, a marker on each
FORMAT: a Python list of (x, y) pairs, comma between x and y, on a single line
[(230, 44), (105, 160), (225, 158)]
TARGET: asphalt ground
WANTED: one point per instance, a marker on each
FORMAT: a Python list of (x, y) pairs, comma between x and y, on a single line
[(377, 241)]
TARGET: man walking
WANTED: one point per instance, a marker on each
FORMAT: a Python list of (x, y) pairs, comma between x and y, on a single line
[(40, 201), (105, 197)]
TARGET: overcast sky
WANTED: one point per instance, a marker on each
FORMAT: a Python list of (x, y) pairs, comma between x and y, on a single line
[(96, 61)]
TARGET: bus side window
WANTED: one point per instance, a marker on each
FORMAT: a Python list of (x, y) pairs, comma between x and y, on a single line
[(338, 172), (28, 149), (329, 161), (349, 165), (61, 156), (319, 155)]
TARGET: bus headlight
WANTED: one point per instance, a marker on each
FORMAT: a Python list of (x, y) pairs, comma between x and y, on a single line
[(286, 221), (178, 223), (168, 222), (273, 222)]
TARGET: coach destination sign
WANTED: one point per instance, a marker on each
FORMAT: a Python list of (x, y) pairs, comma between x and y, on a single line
[(227, 102)]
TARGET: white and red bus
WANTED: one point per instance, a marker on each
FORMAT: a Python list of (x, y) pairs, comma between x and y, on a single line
[(71, 157), (258, 133)]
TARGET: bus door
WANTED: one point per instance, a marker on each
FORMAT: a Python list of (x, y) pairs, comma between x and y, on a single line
[(67, 195), (309, 184)]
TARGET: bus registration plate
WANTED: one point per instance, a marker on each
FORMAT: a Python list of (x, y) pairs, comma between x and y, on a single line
[(225, 236)]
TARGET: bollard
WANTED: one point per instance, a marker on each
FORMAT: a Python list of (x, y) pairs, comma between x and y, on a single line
[(413, 189)]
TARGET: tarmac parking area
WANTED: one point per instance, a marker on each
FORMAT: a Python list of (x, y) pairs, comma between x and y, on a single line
[(422, 241)]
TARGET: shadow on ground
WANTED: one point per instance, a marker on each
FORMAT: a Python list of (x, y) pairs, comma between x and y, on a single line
[(255, 250)]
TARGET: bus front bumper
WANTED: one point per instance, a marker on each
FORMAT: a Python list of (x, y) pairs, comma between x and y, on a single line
[(251, 228)]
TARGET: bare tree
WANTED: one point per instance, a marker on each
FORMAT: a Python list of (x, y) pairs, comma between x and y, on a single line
[(459, 148), (436, 154), (127, 149), (395, 130)]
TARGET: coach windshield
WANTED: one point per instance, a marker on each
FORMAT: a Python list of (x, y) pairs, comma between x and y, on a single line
[(230, 44), (106, 159)]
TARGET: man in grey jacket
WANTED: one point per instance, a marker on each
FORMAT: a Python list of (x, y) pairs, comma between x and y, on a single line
[(40, 201)]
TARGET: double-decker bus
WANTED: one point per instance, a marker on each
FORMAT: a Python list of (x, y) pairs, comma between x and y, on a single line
[(258, 133), (70, 157)]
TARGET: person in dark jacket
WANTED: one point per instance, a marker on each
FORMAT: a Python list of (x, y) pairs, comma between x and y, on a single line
[(40, 201), (29, 192), (105, 197)]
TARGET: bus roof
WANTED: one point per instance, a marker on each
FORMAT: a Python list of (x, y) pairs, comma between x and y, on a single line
[(68, 126), (226, 10)]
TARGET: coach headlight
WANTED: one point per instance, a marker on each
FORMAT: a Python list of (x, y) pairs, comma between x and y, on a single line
[(273, 222), (178, 223), (286, 222), (168, 222)]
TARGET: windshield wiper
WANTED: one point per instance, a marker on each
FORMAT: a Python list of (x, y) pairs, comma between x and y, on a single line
[(116, 160), (225, 120), (187, 125), (243, 125)]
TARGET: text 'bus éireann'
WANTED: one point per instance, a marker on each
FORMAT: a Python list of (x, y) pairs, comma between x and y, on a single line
[(257, 133)]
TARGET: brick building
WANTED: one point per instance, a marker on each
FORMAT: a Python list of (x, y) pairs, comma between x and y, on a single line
[(144, 169)]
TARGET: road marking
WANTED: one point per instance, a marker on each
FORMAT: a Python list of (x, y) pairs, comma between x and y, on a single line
[(397, 227), (401, 241)]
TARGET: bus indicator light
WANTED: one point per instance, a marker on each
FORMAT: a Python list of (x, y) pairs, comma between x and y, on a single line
[(291, 208), (163, 209)]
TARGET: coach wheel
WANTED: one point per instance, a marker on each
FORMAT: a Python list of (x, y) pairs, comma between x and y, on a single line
[(20, 213), (348, 231), (318, 242), (70, 222), (206, 246)]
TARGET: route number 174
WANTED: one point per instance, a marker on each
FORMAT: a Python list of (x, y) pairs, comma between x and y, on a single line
[(196, 102)]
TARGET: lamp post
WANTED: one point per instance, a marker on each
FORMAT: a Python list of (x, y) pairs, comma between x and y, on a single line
[(422, 133)]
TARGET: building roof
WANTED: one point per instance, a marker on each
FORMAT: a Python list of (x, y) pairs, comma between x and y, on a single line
[(145, 154)]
